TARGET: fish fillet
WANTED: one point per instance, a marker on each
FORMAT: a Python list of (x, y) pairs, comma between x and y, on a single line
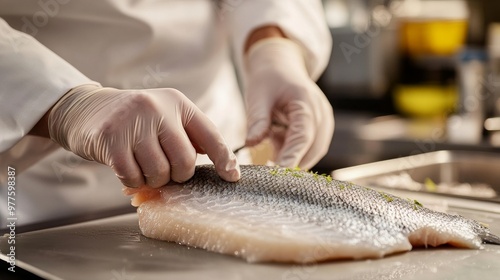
[(287, 215)]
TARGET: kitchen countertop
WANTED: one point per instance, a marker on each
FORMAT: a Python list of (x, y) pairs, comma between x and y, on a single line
[(113, 248)]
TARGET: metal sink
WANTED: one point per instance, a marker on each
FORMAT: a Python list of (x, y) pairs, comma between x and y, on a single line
[(455, 174)]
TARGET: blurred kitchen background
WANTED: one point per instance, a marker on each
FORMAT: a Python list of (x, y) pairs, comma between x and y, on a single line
[(412, 76)]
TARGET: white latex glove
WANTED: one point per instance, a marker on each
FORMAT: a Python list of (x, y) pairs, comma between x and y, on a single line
[(146, 136), (283, 103)]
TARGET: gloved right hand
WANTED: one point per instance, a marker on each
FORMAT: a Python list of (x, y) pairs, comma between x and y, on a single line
[(146, 136), (285, 105)]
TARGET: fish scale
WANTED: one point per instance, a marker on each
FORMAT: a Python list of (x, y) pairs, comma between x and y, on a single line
[(288, 215)]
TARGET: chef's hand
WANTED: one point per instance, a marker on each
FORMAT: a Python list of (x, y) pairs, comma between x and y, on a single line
[(284, 104), (146, 136)]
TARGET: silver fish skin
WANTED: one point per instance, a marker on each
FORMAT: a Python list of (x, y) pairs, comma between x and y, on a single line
[(278, 214)]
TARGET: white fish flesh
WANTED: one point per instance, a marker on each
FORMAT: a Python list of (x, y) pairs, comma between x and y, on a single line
[(287, 215)]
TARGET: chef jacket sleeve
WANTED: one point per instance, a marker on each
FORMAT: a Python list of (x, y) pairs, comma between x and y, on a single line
[(302, 21), (32, 79)]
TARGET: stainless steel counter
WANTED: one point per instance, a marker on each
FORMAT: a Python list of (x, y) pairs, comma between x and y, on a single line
[(113, 248)]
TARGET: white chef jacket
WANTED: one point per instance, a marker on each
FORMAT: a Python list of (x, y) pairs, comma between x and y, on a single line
[(50, 46)]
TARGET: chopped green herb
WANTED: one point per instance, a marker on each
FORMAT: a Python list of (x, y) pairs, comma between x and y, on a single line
[(386, 196), (418, 203)]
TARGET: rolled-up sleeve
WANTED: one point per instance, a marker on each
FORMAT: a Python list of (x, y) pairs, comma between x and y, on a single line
[(32, 79), (302, 21)]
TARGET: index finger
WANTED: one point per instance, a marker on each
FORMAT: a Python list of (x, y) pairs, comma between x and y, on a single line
[(299, 135), (204, 134)]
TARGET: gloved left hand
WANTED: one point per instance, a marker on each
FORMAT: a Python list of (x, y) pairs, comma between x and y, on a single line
[(285, 104), (148, 136)]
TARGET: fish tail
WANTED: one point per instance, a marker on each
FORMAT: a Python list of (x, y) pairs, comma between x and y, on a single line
[(490, 238)]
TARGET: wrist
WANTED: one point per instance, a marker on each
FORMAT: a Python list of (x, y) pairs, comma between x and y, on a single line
[(264, 32), (275, 53), (63, 111), (41, 128)]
